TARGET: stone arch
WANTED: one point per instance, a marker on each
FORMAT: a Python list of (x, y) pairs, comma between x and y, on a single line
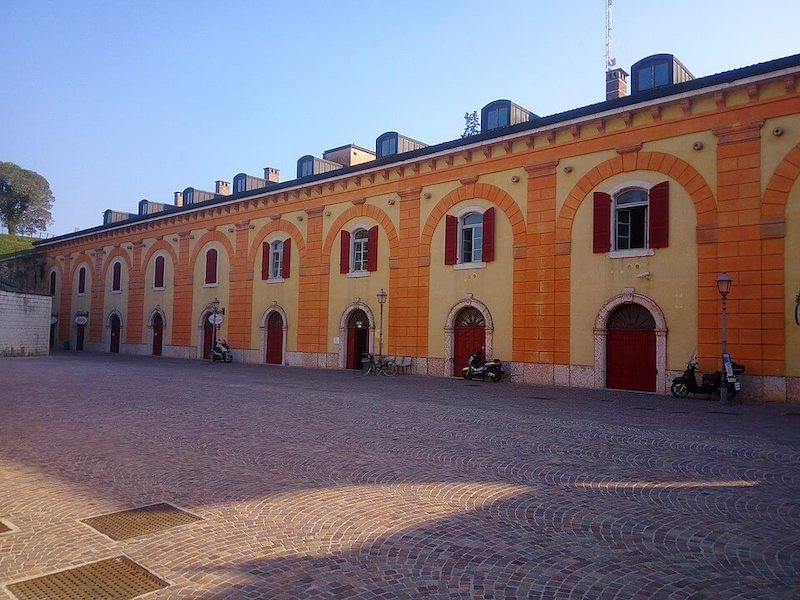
[(357, 304), (212, 236), (601, 332), (78, 261), (361, 210), (280, 225), (152, 250), (776, 194), (157, 311), (273, 308), (106, 333), (111, 313), (467, 192), (114, 254), (666, 164), (449, 329)]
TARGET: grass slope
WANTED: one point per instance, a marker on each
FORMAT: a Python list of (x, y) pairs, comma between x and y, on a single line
[(14, 243)]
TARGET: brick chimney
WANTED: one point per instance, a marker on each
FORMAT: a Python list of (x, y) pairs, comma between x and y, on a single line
[(223, 188), (178, 199), (272, 174), (616, 84)]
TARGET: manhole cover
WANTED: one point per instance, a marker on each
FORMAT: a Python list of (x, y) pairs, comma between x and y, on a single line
[(140, 521), (117, 578)]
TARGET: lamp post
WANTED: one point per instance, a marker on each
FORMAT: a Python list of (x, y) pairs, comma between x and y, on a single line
[(382, 295), (724, 286), (215, 311)]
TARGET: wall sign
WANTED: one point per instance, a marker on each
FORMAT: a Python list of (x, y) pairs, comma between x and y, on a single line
[(81, 320)]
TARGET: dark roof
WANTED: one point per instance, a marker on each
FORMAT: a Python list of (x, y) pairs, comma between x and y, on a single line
[(576, 113)]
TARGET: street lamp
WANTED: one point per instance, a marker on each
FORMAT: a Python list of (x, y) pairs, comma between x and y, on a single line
[(724, 282), (215, 311), (382, 295)]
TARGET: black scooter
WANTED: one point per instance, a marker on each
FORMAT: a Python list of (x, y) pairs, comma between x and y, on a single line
[(221, 352), (478, 369), (710, 382)]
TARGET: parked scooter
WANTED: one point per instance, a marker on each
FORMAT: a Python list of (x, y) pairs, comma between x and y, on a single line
[(221, 352), (477, 368), (710, 382)]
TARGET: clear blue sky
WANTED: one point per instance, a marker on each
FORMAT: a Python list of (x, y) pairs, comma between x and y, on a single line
[(117, 101)]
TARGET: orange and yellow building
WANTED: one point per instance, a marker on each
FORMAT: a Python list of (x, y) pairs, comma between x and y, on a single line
[(581, 248)]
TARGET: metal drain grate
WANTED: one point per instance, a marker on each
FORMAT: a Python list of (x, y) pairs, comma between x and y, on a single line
[(117, 578), (140, 521)]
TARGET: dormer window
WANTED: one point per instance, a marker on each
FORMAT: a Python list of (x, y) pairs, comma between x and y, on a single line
[(654, 75), (240, 184), (305, 167), (388, 147), (657, 71), (497, 116), (188, 196)]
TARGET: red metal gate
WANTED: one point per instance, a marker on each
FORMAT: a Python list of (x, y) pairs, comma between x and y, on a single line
[(158, 334), (115, 327), (275, 339), (631, 359)]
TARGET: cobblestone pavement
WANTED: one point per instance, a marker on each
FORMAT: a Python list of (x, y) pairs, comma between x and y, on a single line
[(327, 484)]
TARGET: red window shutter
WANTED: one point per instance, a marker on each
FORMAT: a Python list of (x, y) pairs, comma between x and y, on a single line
[(82, 280), (158, 280), (287, 257), (488, 235), (602, 222), (372, 248), (211, 266), (117, 283), (450, 239), (265, 258), (344, 254), (659, 215), (53, 283)]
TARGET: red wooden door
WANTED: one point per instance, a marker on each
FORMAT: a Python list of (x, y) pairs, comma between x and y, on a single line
[(631, 359), (469, 337), (631, 349), (275, 339), (208, 337), (79, 337), (357, 339), (158, 335), (115, 327)]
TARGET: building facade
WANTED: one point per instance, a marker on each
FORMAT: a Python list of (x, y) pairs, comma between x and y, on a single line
[(582, 248)]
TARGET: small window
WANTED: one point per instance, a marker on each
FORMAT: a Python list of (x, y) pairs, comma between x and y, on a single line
[(388, 146), (52, 283), (158, 276), (306, 168), (117, 277), (239, 184), (630, 219), (471, 238), (82, 280), (276, 260), (211, 266), (360, 249), (188, 196), (498, 116)]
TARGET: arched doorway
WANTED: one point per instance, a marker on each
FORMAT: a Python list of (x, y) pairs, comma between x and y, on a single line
[(116, 325), (275, 339), (158, 334), (79, 336), (631, 349), (357, 338), (208, 335), (469, 337)]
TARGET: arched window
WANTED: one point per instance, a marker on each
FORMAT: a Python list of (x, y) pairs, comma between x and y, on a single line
[(211, 266), (471, 238), (635, 218), (52, 283), (116, 284), (82, 280), (276, 259), (158, 275), (360, 249)]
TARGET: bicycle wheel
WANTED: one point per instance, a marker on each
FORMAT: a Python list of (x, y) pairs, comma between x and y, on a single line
[(389, 369), (368, 368)]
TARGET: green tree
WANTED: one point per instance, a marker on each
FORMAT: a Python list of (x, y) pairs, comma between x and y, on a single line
[(25, 200)]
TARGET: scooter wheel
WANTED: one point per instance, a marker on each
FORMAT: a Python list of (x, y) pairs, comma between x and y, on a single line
[(496, 378), (467, 375), (679, 389)]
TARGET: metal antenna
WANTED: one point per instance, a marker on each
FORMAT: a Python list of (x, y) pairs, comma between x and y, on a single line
[(610, 60)]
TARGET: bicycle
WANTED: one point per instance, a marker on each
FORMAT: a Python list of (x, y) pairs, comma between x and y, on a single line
[(381, 365)]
